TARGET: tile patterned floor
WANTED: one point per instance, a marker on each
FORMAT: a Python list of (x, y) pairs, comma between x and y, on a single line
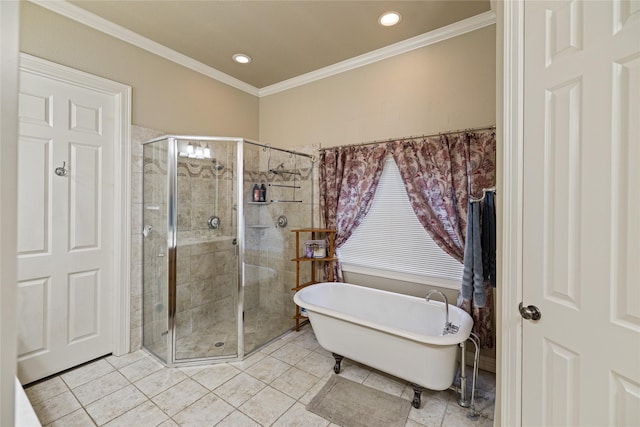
[(270, 388)]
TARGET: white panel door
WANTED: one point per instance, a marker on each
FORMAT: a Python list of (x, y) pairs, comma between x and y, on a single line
[(65, 225), (581, 229)]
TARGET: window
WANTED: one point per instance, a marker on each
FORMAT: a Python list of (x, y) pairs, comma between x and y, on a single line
[(392, 243)]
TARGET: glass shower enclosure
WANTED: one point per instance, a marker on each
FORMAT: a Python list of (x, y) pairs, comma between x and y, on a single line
[(217, 275)]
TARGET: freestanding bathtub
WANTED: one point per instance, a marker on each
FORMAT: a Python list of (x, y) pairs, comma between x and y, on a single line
[(394, 333)]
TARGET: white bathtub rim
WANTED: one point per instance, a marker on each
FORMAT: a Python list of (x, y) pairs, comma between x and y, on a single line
[(449, 339)]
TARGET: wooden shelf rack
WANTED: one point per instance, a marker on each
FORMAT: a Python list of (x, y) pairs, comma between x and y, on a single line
[(329, 234)]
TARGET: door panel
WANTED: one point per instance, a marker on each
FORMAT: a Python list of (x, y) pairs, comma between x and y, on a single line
[(84, 307), (625, 195), (65, 225), (33, 320), (34, 203), (85, 197), (561, 245), (581, 235), (35, 108), (85, 118)]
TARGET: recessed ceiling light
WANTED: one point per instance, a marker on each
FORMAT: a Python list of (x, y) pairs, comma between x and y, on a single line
[(242, 58), (388, 19)]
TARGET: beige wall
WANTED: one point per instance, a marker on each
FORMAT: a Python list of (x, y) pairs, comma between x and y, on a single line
[(445, 86), (165, 95)]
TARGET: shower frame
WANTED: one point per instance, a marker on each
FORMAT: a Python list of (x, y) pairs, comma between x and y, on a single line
[(172, 232)]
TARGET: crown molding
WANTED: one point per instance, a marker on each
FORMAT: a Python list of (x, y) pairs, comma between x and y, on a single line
[(80, 15), (453, 30)]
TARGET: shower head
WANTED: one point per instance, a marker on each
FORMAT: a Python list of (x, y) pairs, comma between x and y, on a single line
[(216, 165)]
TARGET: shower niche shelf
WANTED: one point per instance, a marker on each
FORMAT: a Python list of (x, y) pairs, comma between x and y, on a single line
[(312, 262), (259, 203)]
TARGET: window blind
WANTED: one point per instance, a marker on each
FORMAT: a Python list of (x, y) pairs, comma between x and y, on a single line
[(391, 242)]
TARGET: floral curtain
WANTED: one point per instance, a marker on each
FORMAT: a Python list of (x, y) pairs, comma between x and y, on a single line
[(426, 167), (439, 174), (349, 178)]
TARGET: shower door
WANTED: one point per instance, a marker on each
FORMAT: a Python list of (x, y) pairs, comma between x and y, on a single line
[(217, 274), (154, 248), (206, 286), (269, 244)]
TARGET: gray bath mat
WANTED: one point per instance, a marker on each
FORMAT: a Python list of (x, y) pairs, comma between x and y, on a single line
[(350, 404)]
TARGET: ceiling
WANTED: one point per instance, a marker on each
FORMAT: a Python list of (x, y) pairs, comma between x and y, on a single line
[(285, 39)]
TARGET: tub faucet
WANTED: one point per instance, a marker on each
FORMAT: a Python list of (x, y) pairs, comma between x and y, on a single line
[(449, 328)]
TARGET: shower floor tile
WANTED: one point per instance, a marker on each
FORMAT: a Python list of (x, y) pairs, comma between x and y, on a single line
[(263, 390), (220, 339)]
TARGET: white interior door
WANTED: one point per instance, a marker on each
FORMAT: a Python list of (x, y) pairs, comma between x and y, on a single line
[(581, 225), (65, 225)]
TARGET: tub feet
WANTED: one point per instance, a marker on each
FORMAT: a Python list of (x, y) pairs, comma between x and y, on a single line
[(417, 393), (336, 367)]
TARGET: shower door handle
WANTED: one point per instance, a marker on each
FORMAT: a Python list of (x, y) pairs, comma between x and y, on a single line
[(530, 312)]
